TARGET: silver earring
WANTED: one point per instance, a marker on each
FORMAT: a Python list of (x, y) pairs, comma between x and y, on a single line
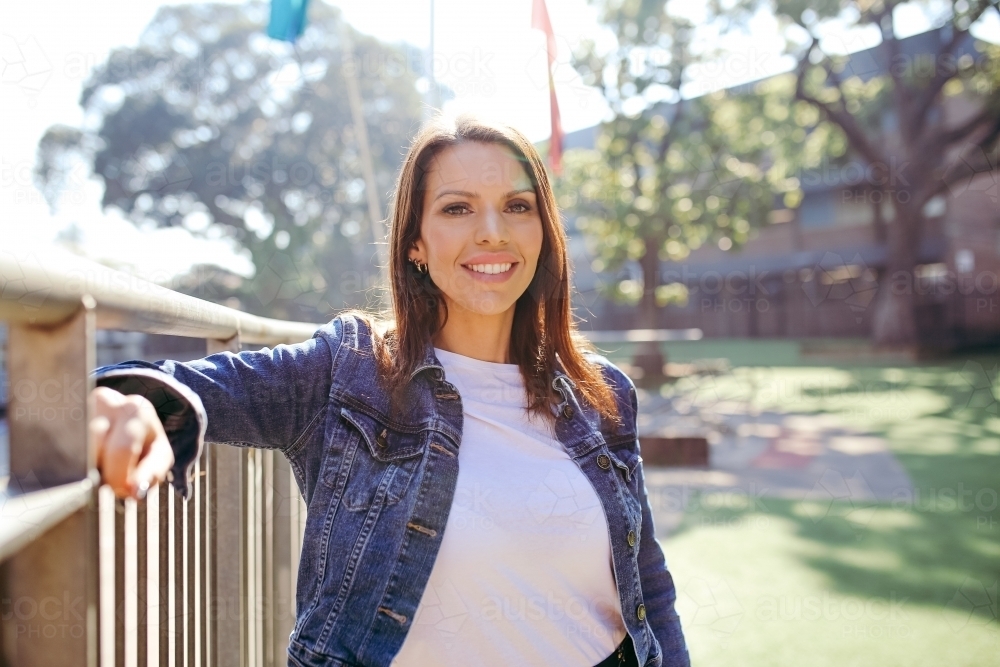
[(421, 268)]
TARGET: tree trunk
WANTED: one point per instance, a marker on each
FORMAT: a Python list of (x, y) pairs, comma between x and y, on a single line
[(894, 323), (649, 356)]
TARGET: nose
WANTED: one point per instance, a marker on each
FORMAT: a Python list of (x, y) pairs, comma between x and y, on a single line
[(492, 228)]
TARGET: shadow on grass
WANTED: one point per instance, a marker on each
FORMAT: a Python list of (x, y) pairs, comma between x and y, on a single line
[(938, 545)]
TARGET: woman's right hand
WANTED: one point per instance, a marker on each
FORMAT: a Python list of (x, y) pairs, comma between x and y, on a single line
[(133, 452)]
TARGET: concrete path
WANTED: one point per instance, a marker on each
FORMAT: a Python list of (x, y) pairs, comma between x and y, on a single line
[(758, 455)]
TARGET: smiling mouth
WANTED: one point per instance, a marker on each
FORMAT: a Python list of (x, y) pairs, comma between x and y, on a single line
[(490, 269)]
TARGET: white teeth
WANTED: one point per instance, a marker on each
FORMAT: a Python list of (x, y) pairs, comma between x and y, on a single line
[(490, 268)]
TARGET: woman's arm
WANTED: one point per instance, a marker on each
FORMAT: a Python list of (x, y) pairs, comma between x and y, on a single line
[(658, 591), (263, 398)]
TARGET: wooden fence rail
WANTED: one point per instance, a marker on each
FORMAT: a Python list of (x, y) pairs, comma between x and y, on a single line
[(87, 579)]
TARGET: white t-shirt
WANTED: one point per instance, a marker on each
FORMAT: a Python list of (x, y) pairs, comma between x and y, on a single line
[(524, 575)]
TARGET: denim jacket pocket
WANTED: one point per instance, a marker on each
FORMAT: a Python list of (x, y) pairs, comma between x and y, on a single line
[(384, 459)]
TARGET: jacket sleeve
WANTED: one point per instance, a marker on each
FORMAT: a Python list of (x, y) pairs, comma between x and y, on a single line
[(658, 591), (262, 398)]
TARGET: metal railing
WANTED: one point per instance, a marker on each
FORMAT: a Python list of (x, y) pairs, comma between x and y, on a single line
[(88, 579)]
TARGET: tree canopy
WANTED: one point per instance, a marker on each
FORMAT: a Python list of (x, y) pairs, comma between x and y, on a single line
[(670, 174), (210, 125), (922, 116)]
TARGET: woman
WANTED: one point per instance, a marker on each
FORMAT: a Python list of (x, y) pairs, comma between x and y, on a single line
[(471, 469)]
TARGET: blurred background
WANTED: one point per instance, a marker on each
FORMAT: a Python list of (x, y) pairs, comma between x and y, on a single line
[(783, 220)]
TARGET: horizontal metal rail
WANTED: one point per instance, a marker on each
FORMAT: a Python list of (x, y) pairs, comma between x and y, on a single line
[(89, 579), (45, 287), (25, 516)]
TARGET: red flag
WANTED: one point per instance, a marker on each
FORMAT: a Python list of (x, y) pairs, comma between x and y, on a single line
[(540, 21)]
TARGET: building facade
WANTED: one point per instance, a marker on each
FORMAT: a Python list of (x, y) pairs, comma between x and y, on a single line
[(814, 271)]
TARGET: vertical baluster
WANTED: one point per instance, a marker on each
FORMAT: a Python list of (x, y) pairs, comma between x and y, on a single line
[(258, 521), (119, 542), (253, 555), (153, 597), (129, 577), (189, 575), (108, 607), (247, 524), (283, 535), (142, 598), (228, 557), (177, 608), (166, 564), (204, 584), (267, 560), (50, 445), (191, 570), (260, 555), (226, 571)]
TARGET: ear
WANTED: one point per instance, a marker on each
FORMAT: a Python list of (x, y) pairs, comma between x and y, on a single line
[(417, 251)]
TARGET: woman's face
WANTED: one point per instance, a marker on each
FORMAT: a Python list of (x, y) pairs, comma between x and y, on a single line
[(481, 230)]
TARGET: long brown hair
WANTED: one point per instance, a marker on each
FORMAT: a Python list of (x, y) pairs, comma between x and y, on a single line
[(543, 329)]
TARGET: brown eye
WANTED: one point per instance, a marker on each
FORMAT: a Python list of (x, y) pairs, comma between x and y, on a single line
[(455, 209), (520, 207)]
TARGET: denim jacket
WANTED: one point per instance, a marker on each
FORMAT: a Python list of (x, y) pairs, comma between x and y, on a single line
[(379, 486)]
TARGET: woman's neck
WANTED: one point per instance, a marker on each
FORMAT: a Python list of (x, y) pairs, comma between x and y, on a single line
[(483, 337)]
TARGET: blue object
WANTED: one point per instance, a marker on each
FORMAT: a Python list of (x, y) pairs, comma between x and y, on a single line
[(380, 482), (288, 19)]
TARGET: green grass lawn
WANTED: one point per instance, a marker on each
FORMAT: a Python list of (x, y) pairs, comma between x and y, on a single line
[(912, 581)]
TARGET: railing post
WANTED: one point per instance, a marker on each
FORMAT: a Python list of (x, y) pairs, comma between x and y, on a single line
[(49, 373), (226, 499), (180, 584)]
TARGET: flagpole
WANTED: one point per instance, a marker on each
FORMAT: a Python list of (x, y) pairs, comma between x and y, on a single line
[(435, 102), (540, 20)]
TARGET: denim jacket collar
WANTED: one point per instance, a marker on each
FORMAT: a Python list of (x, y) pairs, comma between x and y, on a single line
[(561, 382), (428, 361), (577, 424)]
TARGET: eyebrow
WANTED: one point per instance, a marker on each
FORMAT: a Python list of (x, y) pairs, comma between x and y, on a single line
[(473, 195)]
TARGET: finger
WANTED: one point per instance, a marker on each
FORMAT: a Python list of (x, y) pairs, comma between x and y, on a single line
[(99, 427), (140, 480), (153, 467), (123, 446)]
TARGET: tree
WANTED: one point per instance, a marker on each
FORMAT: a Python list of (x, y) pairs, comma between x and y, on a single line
[(670, 174), (211, 125), (900, 121)]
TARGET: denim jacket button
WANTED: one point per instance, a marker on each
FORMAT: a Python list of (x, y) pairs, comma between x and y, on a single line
[(631, 538), (640, 612), (567, 411), (604, 461), (380, 439)]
